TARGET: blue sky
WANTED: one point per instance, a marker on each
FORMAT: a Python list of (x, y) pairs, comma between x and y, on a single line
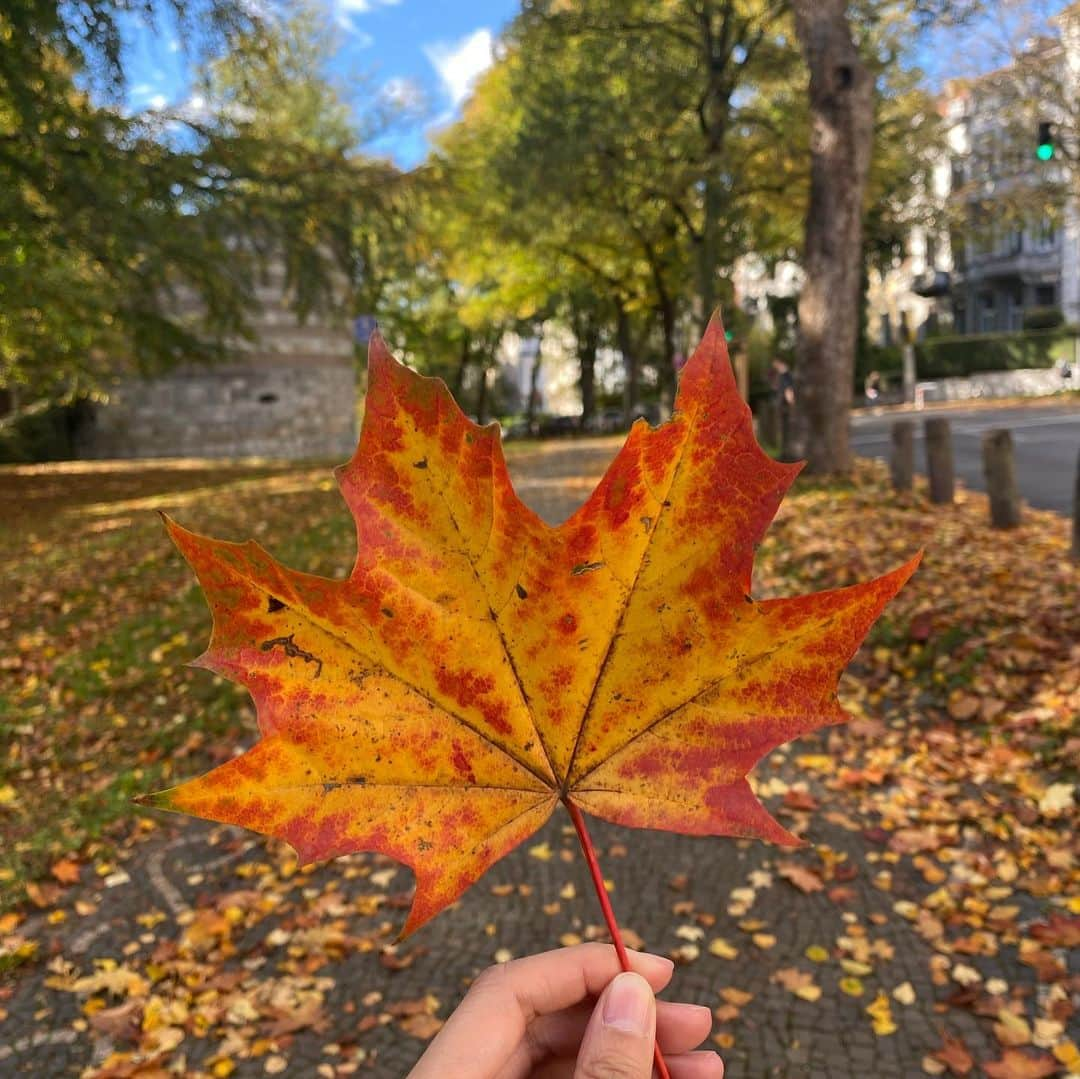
[(416, 49)]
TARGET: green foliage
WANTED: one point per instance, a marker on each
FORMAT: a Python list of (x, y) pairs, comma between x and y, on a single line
[(1043, 318), (942, 357), (43, 432), (958, 356)]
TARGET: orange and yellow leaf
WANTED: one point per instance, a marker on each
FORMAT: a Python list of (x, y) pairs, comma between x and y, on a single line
[(478, 665)]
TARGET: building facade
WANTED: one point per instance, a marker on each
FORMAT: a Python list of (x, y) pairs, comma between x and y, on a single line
[(1007, 250)]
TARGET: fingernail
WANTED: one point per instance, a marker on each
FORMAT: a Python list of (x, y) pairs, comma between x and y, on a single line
[(627, 1003), (660, 961)]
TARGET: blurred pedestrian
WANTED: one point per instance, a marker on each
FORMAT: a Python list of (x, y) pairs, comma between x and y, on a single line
[(872, 386), (782, 384)]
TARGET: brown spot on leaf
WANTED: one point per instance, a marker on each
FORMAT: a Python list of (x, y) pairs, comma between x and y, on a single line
[(585, 567)]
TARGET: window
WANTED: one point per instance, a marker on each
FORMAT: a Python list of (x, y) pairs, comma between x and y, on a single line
[(1008, 241), (1045, 295), (1044, 236), (1014, 307), (987, 313)]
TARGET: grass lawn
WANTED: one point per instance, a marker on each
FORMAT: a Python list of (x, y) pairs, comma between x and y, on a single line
[(99, 616)]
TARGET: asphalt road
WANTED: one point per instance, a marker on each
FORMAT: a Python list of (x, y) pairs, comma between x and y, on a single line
[(1046, 439)]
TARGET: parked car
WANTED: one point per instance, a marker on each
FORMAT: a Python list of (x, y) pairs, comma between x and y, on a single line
[(517, 427), (607, 422), (559, 426)]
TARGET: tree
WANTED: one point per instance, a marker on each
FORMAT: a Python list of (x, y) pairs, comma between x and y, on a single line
[(686, 66), (525, 251), (841, 96)]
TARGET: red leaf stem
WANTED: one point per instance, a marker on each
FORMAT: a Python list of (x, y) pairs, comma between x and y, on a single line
[(609, 914)]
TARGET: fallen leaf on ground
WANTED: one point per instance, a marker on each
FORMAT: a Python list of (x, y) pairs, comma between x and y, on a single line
[(66, 871), (799, 982), (806, 880), (954, 1054), (880, 1013), (1012, 1029), (1016, 1064)]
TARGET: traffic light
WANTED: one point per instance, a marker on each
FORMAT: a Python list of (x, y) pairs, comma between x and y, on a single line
[(1044, 149)]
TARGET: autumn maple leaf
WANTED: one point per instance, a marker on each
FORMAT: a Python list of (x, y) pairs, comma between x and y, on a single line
[(479, 666)]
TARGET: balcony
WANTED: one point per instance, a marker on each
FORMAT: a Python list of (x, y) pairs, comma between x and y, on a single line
[(1031, 267), (931, 284)]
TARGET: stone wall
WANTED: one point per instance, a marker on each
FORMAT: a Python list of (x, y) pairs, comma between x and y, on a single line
[(290, 393), (1036, 382), (288, 410)]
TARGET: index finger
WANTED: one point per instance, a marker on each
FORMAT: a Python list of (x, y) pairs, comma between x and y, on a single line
[(505, 999), (551, 981)]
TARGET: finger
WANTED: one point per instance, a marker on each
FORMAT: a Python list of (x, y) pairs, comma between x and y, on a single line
[(505, 999), (679, 1028), (555, 980), (620, 1037), (703, 1065)]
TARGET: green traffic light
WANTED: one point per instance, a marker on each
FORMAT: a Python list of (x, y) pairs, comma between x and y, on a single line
[(1045, 151)]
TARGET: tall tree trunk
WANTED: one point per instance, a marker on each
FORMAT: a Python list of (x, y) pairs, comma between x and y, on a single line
[(708, 249), (588, 341), (462, 367), (666, 373), (723, 32), (625, 338), (482, 395), (534, 386), (842, 118)]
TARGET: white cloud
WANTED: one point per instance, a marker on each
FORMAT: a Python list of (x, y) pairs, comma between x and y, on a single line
[(402, 93), (361, 7), (158, 101), (460, 63), (344, 10)]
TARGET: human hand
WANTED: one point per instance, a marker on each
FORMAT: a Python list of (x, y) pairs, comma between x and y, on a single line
[(570, 1014)]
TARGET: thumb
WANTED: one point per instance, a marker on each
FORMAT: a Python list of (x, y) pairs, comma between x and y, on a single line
[(618, 1042)]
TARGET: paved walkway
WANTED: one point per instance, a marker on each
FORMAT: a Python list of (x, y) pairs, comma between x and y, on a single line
[(299, 969)]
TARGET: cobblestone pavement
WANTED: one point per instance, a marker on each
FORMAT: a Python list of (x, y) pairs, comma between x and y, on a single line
[(667, 890)]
